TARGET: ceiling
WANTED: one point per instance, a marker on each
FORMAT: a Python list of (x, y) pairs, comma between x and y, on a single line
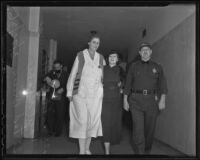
[(117, 27)]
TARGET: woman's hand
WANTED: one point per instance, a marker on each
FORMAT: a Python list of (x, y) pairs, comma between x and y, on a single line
[(70, 98), (126, 105)]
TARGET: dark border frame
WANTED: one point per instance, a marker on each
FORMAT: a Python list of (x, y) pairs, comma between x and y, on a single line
[(4, 4)]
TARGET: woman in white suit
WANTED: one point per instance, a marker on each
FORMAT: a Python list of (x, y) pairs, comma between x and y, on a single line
[(85, 92)]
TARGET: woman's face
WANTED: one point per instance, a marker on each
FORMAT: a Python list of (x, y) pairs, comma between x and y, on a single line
[(94, 44), (113, 59)]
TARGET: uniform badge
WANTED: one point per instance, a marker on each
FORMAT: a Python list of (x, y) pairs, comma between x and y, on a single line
[(154, 70)]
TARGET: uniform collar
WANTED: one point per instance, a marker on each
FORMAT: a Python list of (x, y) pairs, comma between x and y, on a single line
[(143, 62)]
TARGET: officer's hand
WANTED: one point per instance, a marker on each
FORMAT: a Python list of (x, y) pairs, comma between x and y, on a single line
[(70, 98), (161, 104), (126, 105)]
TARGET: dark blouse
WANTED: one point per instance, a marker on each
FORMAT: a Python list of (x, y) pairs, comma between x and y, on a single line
[(111, 79)]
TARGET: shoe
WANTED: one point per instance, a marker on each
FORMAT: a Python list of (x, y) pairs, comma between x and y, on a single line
[(88, 152), (147, 152)]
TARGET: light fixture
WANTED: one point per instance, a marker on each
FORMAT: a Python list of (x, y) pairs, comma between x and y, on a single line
[(24, 92), (144, 32)]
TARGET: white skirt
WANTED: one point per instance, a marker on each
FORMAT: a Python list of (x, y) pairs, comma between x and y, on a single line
[(85, 115)]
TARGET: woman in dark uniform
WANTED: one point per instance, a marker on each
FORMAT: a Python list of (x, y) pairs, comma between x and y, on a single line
[(112, 102)]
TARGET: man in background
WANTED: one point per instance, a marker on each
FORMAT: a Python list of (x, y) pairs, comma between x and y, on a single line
[(56, 80)]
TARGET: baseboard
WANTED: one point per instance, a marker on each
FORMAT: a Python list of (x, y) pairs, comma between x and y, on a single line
[(169, 146)]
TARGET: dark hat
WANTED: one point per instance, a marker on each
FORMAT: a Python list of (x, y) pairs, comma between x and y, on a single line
[(145, 45)]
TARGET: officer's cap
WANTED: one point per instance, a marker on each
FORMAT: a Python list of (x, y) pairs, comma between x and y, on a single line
[(145, 45)]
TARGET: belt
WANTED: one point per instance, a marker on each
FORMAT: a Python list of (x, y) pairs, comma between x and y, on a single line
[(144, 91)]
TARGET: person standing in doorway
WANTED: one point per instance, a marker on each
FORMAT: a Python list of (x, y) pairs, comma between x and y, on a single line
[(144, 95), (85, 92), (111, 115), (56, 79)]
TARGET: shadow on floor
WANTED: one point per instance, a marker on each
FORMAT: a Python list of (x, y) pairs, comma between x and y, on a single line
[(66, 145)]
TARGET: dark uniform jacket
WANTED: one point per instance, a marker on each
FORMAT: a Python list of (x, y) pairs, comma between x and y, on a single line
[(145, 76)]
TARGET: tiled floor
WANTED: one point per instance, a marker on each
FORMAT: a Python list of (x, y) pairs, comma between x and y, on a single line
[(66, 145)]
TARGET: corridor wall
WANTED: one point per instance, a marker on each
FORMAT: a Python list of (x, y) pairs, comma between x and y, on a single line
[(176, 52), (17, 24)]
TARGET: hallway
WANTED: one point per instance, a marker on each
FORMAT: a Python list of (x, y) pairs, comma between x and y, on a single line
[(65, 145), (34, 43)]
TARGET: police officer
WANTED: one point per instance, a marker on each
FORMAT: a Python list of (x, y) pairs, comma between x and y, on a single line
[(144, 95), (56, 79)]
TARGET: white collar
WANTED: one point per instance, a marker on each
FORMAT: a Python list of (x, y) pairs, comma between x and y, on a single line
[(85, 51)]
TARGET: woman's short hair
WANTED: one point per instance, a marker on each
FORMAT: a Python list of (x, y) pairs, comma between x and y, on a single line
[(110, 53), (113, 52)]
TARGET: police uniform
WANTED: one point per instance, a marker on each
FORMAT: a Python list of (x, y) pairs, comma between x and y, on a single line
[(145, 83)]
